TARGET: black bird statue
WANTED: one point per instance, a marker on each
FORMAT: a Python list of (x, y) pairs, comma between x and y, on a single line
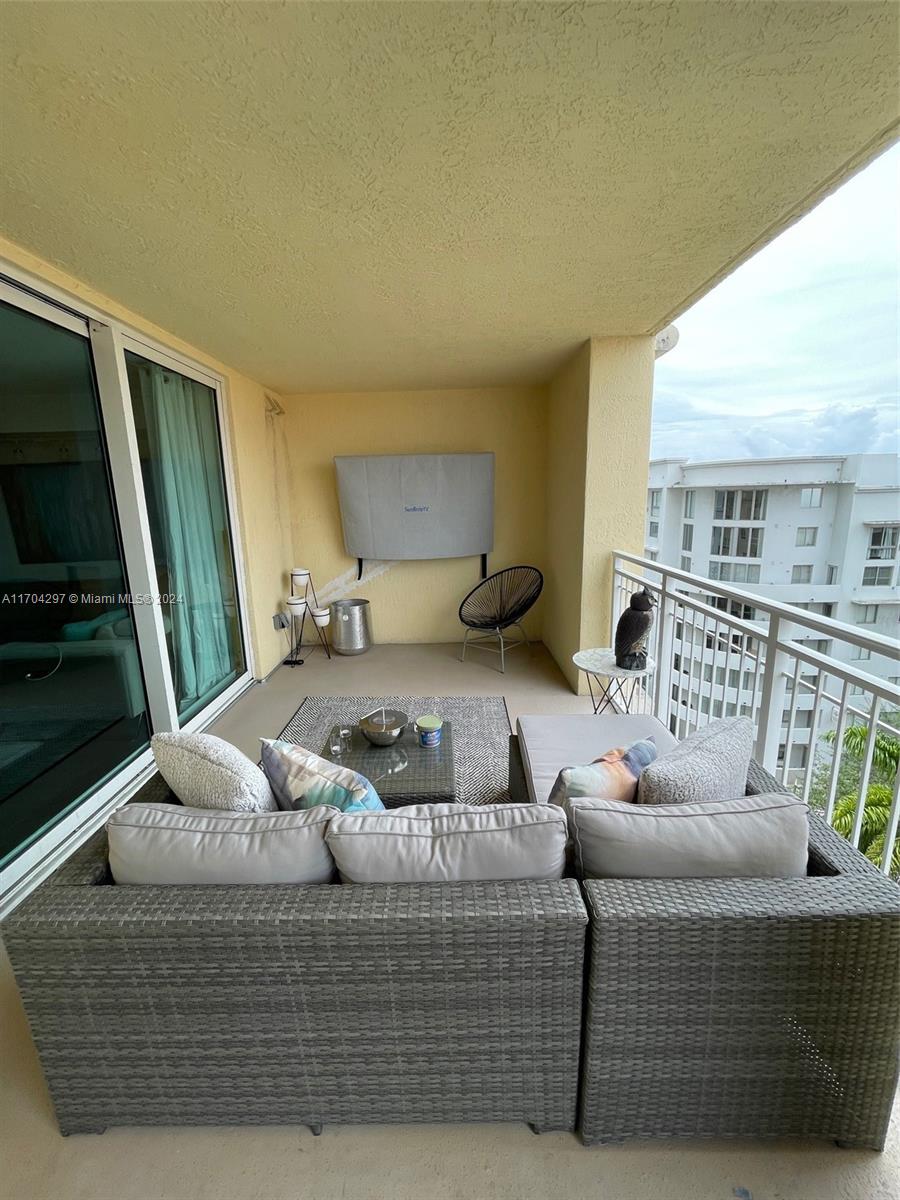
[(633, 632)]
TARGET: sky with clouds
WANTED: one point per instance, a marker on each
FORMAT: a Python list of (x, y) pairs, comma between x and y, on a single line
[(796, 352)]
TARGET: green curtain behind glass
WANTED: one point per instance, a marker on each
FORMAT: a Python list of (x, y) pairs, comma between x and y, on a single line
[(185, 493)]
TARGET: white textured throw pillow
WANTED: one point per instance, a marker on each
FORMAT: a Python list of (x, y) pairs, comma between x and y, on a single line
[(711, 764), (765, 836), (434, 843), (169, 844), (206, 772)]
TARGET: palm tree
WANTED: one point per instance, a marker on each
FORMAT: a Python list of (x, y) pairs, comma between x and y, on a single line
[(886, 755), (874, 824), (877, 810)]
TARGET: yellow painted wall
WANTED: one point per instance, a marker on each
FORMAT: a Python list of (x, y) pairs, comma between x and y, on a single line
[(259, 465), (418, 601), (599, 410), (567, 426)]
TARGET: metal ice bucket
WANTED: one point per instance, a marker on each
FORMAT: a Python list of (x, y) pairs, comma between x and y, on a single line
[(350, 633)]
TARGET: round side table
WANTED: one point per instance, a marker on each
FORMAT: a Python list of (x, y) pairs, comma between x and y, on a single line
[(611, 681)]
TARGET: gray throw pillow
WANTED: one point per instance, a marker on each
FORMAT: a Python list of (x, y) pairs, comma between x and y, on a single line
[(711, 764), (206, 772)]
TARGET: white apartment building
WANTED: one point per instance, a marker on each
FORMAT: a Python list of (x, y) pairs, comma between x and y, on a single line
[(821, 533)]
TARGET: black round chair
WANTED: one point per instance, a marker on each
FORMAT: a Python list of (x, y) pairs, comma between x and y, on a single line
[(497, 603)]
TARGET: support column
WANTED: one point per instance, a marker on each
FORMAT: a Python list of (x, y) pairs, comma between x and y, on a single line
[(600, 406)]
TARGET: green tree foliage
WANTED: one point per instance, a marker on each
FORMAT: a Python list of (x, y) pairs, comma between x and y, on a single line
[(876, 813), (874, 824)]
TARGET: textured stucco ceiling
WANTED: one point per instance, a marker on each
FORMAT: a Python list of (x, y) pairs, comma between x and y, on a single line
[(372, 195)]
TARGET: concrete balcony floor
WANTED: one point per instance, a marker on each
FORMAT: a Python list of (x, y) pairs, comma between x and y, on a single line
[(429, 1162)]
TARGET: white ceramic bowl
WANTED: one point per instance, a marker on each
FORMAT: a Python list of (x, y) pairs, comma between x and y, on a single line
[(297, 605), (321, 616)]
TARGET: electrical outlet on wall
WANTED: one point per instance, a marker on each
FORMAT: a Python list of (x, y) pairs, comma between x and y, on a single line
[(280, 621)]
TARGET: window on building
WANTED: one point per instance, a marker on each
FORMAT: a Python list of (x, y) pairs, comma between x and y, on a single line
[(689, 504), (801, 573), (734, 678), (724, 505), (727, 572), (877, 576), (687, 538), (653, 555), (806, 535), (753, 504), (654, 528), (685, 562), (749, 542), (823, 645), (883, 541), (741, 541), (749, 504), (827, 610), (731, 709), (720, 540), (860, 654), (811, 497), (798, 756), (869, 615), (655, 500), (832, 574)]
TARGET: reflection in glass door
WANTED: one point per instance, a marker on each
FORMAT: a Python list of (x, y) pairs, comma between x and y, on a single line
[(72, 700), (184, 486)]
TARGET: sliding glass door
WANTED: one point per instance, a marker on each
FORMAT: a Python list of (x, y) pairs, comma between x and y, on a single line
[(73, 709), (120, 601), (184, 487)]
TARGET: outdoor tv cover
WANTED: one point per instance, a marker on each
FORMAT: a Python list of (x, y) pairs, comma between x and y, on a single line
[(402, 506)]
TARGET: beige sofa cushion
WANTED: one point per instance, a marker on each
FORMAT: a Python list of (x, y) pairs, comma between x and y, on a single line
[(763, 836), (169, 844), (441, 843), (550, 744)]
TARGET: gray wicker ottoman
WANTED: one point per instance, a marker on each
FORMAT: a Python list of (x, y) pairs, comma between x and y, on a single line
[(275, 1005)]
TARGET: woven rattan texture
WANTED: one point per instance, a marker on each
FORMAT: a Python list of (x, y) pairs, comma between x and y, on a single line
[(743, 1007), (480, 732), (245, 1005)]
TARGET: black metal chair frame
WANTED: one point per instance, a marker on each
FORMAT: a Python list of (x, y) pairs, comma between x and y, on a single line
[(498, 603)]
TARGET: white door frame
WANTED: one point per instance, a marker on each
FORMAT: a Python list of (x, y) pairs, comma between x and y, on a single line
[(217, 384), (108, 339)]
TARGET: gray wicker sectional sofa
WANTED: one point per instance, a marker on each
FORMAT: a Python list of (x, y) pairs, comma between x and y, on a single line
[(741, 1007), (302, 1004), (626, 1008)]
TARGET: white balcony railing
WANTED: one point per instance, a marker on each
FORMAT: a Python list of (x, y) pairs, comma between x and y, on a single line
[(724, 651)]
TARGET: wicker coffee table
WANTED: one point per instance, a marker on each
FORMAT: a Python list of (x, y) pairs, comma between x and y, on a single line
[(404, 773)]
